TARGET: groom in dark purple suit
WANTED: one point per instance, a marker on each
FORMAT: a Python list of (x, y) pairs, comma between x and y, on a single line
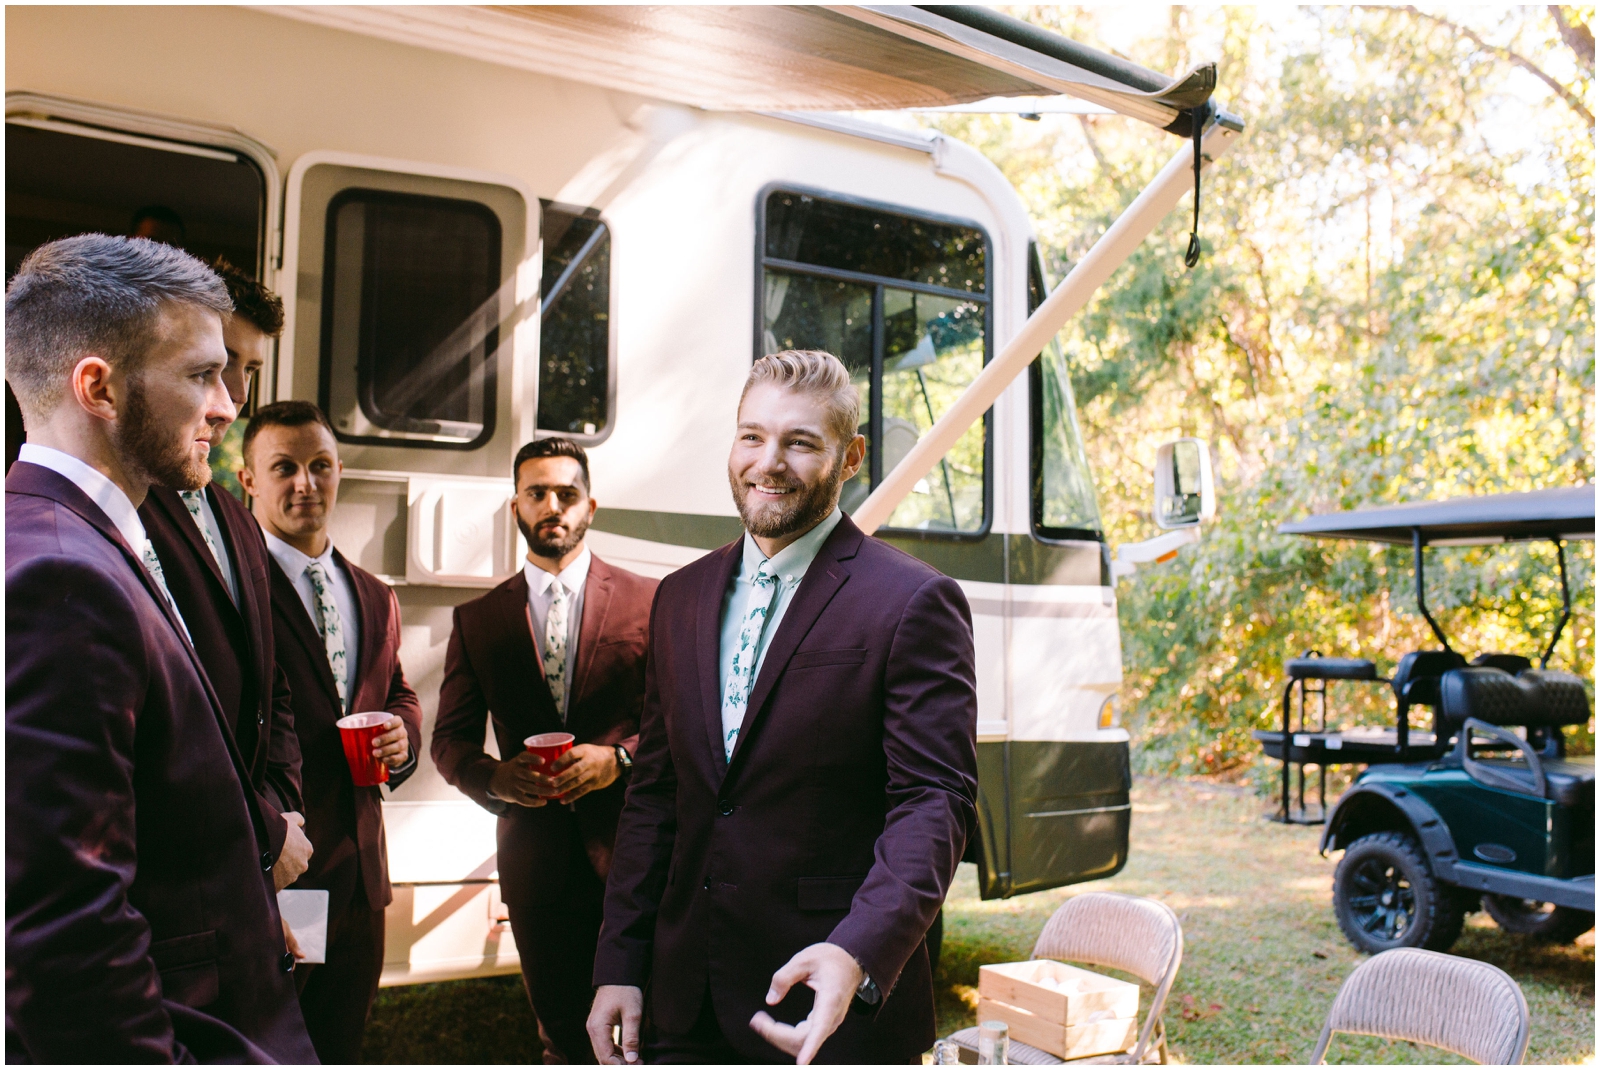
[(141, 924), (806, 773)]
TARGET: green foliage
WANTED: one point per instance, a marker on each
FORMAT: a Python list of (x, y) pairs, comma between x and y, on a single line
[(1393, 304)]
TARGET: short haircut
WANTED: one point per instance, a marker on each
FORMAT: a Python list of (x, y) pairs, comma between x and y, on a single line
[(94, 294), (811, 371), (554, 446), (258, 306), (282, 414)]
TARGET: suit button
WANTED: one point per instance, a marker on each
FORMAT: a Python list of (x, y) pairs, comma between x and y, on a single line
[(288, 962), (261, 718), (724, 807), (707, 884), (266, 861)]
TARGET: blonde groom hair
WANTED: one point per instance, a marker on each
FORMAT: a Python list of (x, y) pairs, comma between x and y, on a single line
[(813, 371)]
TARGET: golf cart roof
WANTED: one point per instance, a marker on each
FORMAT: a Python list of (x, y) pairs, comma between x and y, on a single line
[(1555, 513), (788, 57)]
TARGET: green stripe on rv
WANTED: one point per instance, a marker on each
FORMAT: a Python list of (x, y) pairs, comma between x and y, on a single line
[(985, 558)]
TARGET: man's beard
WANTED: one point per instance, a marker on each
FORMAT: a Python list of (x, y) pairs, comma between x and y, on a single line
[(801, 511), (153, 450), (552, 549)]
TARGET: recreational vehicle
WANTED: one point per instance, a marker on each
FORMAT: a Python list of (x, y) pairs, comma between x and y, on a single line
[(494, 224)]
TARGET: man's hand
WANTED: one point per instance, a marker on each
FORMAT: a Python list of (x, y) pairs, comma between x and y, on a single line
[(295, 857), (393, 747), (584, 768), (291, 943), (834, 975), (519, 781), (616, 1005)]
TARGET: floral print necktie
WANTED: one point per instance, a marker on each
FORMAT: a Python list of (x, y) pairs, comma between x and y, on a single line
[(555, 647), (741, 676), (331, 627)]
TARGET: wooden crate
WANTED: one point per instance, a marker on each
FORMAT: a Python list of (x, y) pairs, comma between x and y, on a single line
[(1081, 1013)]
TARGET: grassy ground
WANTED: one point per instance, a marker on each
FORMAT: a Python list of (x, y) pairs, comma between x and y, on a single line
[(1262, 961), (1263, 956)]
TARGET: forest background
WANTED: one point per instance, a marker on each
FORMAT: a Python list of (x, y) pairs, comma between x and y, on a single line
[(1395, 302)]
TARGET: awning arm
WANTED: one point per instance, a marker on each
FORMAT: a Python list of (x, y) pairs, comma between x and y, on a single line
[(1064, 302)]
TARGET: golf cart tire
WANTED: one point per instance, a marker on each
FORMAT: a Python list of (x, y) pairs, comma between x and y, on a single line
[(1561, 925), (1436, 913)]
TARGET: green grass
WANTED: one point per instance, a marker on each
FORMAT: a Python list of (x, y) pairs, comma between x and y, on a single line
[(1263, 956), (1262, 959)]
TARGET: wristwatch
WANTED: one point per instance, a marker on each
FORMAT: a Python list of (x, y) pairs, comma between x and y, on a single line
[(867, 990), (624, 761)]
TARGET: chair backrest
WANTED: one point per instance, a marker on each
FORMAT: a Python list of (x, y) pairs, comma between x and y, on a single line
[(1470, 1008), (1125, 932), (1416, 678)]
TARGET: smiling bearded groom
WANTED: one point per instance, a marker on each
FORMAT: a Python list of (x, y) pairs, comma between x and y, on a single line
[(806, 773)]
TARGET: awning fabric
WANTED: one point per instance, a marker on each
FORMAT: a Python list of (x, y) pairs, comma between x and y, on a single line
[(786, 57), (1559, 512)]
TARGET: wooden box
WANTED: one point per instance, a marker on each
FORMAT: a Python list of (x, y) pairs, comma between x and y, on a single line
[(1069, 1012)]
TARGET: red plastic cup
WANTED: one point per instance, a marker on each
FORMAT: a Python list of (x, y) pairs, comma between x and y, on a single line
[(549, 746), (357, 732)]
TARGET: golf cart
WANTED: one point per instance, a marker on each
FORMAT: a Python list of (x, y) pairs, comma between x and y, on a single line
[(1484, 805)]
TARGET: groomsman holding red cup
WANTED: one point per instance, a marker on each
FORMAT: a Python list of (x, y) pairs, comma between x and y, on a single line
[(337, 630), (558, 648)]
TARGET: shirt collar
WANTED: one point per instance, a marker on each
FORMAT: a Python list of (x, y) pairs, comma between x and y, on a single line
[(793, 560), (573, 577), (111, 499), (292, 561)]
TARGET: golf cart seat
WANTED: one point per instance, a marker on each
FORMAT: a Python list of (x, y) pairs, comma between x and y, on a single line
[(1416, 678), (1320, 668), (1534, 699), (1511, 663)]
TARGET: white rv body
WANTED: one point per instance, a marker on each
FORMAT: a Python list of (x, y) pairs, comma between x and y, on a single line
[(680, 191)]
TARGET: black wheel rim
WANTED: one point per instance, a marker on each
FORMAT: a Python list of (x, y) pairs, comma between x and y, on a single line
[(1381, 900)]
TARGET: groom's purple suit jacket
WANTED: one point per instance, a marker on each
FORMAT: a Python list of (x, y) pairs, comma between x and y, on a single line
[(141, 924), (840, 817)]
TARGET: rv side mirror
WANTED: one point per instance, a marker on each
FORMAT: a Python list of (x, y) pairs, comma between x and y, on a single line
[(1184, 494)]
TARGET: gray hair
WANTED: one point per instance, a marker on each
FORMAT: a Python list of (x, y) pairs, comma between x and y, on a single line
[(811, 371), (97, 294)]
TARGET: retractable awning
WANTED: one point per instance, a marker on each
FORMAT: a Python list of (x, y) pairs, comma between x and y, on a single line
[(787, 57), (1559, 512)]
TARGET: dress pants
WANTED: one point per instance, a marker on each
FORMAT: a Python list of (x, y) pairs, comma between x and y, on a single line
[(555, 918), (336, 996)]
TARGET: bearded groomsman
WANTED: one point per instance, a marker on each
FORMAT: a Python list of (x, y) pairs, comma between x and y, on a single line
[(140, 919), (807, 769), (215, 562), (559, 647), (337, 630)]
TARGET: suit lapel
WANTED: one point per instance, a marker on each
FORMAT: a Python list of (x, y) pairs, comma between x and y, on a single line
[(374, 624), (286, 600), (822, 581), (591, 626), (512, 620), (708, 647), (172, 503)]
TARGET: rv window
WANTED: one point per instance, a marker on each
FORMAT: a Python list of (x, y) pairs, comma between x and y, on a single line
[(903, 303), (410, 315), (1064, 505), (575, 327)]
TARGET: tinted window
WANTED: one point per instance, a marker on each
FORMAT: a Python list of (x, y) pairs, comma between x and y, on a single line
[(833, 280), (575, 331), (1064, 504), (825, 233), (410, 317)]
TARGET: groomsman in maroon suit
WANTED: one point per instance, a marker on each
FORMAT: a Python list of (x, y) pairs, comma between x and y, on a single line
[(215, 563), (806, 775), (141, 924), (337, 634), (559, 647)]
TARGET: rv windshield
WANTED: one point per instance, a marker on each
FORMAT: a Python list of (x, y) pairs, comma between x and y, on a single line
[(1064, 505), (903, 302)]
